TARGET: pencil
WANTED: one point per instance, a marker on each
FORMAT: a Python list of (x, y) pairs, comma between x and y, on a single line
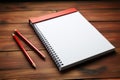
[(24, 51), (27, 41)]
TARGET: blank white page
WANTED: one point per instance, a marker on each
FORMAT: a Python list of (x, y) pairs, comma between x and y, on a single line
[(73, 38)]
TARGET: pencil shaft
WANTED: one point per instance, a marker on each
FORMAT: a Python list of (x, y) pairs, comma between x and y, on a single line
[(27, 41), (24, 51)]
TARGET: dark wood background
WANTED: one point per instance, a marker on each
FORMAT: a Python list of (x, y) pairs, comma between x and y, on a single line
[(104, 15)]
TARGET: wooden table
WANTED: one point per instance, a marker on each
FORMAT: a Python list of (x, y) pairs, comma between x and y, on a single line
[(104, 15)]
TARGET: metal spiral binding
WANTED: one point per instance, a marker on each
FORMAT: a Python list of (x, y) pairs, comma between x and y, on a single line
[(52, 53), (49, 48)]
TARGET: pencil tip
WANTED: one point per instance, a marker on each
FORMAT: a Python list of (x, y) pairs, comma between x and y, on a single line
[(34, 66)]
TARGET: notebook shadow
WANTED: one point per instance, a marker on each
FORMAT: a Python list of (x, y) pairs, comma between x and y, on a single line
[(81, 66)]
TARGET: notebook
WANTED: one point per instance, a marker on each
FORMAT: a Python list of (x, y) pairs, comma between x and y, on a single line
[(69, 38)]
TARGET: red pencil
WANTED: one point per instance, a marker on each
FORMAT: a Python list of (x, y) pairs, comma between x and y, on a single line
[(27, 41), (24, 51)]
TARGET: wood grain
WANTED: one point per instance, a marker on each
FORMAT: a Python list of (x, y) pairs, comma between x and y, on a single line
[(91, 15), (104, 15), (59, 5), (106, 66)]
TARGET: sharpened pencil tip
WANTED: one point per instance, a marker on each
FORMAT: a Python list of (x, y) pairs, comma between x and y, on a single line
[(34, 66)]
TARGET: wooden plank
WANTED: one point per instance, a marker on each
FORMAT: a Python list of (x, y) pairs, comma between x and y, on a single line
[(20, 16), (59, 5), (101, 15), (7, 41), (6, 44), (18, 60), (91, 15), (7, 29), (107, 26), (104, 67)]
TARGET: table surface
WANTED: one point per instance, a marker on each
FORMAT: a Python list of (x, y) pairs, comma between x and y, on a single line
[(104, 15)]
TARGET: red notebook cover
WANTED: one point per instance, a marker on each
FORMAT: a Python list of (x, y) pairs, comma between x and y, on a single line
[(53, 15)]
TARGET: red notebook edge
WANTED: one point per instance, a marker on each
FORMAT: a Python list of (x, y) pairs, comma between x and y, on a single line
[(52, 15)]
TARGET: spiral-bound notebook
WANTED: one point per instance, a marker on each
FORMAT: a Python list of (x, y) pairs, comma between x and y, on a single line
[(69, 38)]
